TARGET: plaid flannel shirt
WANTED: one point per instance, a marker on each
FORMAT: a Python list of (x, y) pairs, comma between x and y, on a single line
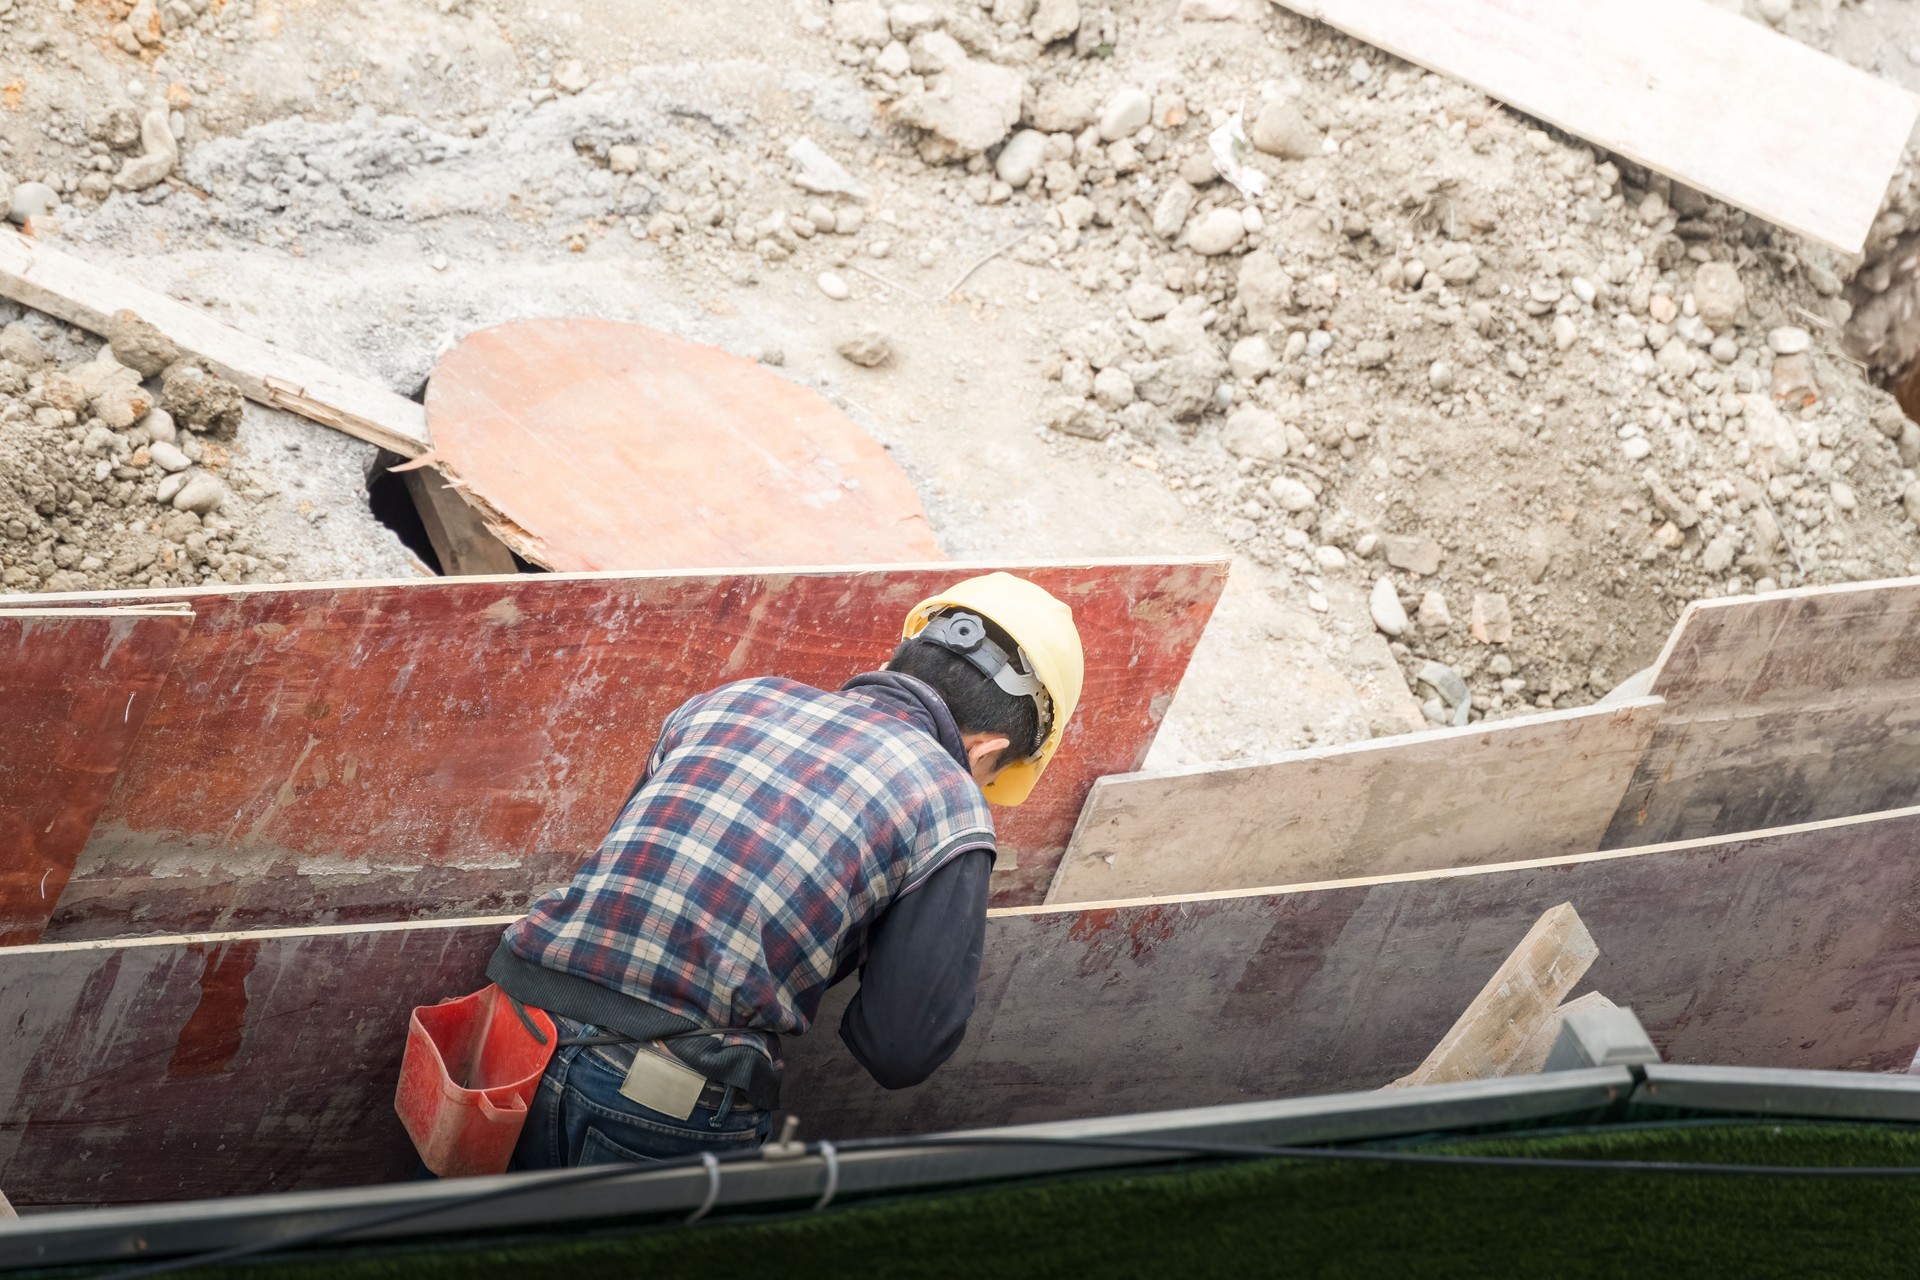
[(775, 823)]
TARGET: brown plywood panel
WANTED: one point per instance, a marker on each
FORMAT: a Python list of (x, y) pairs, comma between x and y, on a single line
[(379, 751), (1539, 787), (77, 686), (1704, 96), (597, 444), (1790, 707), (224, 1064)]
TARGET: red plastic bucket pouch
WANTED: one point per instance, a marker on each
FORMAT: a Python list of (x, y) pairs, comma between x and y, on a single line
[(471, 1068)]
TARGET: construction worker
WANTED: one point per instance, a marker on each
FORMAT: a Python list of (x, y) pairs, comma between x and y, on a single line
[(781, 838)]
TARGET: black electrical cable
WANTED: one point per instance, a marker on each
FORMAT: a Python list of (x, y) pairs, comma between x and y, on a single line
[(1170, 1146)]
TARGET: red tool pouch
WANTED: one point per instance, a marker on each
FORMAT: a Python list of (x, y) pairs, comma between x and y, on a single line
[(471, 1067)]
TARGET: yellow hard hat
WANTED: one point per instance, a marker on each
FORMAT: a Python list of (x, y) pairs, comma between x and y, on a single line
[(1042, 627)]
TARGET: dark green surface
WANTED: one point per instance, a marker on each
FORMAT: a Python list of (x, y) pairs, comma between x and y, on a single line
[(1302, 1219)]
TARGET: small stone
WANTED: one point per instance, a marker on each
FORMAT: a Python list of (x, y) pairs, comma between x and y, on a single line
[(1264, 288), (1317, 602), (1055, 20), (1216, 232), (1910, 500), (1367, 544), (571, 76), (1149, 301), (1653, 208), (1636, 447), (1251, 358), (199, 401), (906, 21), (1662, 308), (1330, 559), (1445, 681), (1789, 340), (894, 60), (1843, 496), (869, 349), (848, 219), (1280, 130), (1564, 332), (1291, 495), (1718, 295), (1776, 11), (1063, 107), (139, 345), (1433, 616), (834, 286), (623, 157), (202, 494), (1516, 364), (1890, 418), (168, 457), (1718, 556), (1668, 537), (1078, 418), (1441, 375), (169, 485), (1253, 432), (1171, 209), (968, 109), (1491, 623), (1125, 114), (1794, 383), (1388, 614), (1414, 553), (19, 345), (1113, 388), (1371, 354), (1675, 358), (1021, 158), (1724, 349), (32, 200), (121, 405), (162, 152)]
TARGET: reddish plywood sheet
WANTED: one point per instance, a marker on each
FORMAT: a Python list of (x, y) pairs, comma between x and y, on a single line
[(379, 751), (76, 686), (613, 446), (181, 1067)]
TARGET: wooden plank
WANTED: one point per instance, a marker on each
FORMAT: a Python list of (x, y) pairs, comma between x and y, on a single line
[(1542, 786), (83, 294), (460, 537), (138, 1069), (1702, 95), (596, 444), (444, 747), (1521, 995), (77, 686), (1789, 707)]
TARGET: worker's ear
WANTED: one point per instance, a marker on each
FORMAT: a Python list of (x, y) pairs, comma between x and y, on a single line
[(986, 754)]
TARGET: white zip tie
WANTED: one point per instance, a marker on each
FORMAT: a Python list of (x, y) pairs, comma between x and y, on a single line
[(708, 1159), (832, 1158)]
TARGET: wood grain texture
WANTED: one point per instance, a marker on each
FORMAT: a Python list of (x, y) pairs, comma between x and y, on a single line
[(603, 445), (77, 686), (1704, 96), (83, 294), (381, 751), (1539, 787), (227, 1064), (1493, 1031), (458, 533), (1789, 707)]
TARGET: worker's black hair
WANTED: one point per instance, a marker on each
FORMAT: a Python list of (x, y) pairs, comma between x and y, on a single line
[(977, 703)]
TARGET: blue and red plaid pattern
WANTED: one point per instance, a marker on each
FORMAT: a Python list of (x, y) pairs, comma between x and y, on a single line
[(775, 823)]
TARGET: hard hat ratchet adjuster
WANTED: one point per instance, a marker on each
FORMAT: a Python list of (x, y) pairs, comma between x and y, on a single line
[(963, 633)]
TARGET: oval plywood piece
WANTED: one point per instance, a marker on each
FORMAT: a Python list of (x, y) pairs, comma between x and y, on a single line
[(615, 446)]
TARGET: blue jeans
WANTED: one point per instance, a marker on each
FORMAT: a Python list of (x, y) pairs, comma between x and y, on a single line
[(579, 1118)]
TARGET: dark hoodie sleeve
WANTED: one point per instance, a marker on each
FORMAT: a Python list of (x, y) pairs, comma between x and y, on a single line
[(916, 988)]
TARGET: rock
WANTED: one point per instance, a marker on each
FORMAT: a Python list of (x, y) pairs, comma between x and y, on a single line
[(199, 401), (1054, 20), (1564, 332), (1291, 495), (862, 23), (1063, 108), (1388, 614), (201, 494), (158, 424), (1113, 388), (1125, 114), (63, 391), (1216, 232), (1789, 340), (1330, 559), (1021, 158), (31, 200), (1775, 444), (1078, 418), (1776, 11), (1890, 418), (1491, 623), (1794, 383), (144, 22), (1668, 537), (1371, 354), (1636, 447), (1280, 130), (1662, 309), (1910, 500), (820, 173), (967, 109), (894, 60), (1251, 358), (1461, 268), (932, 52), (1171, 209), (1414, 553), (1718, 555), (169, 486), (571, 76), (1843, 496), (834, 286), (1184, 385), (18, 345), (1443, 680), (162, 152), (623, 157), (1677, 508), (1718, 295), (1265, 289), (168, 457), (1149, 301), (139, 345), (1433, 616), (1910, 445), (1724, 349), (868, 348), (1253, 432), (121, 405), (1676, 358), (1441, 376)]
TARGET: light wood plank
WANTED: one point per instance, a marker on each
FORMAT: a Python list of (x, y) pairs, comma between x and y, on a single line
[(228, 1063), (460, 537), (1704, 96), (1537, 787), (1788, 707), (1521, 995), (83, 294)]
